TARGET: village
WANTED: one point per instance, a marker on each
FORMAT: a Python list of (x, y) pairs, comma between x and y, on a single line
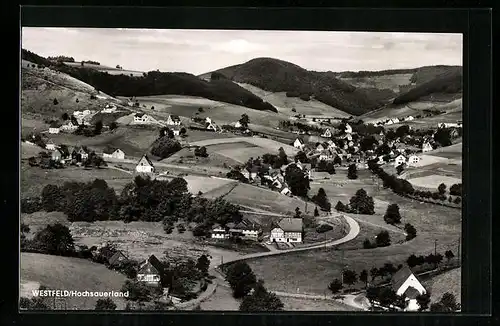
[(240, 189)]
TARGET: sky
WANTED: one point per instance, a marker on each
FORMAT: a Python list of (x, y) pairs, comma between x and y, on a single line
[(201, 51)]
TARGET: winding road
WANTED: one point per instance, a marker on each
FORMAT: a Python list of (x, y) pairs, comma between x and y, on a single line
[(220, 281)]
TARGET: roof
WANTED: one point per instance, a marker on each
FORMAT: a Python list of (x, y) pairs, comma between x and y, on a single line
[(175, 117), (290, 224), (55, 124), (253, 169), (146, 158), (139, 114), (153, 262), (411, 293), (115, 257), (246, 224), (400, 277), (110, 150), (300, 140)]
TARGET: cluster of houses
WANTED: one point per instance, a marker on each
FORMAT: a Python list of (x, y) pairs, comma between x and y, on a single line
[(288, 229), (81, 117), (65, 154), (208, 124), (391, 121)]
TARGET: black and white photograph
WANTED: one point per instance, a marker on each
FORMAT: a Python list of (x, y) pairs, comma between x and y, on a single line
[(240, 170)]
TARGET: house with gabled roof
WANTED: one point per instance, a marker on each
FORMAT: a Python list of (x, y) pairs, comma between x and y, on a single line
[(145, 165), (299, 143), (284, 190), (150, 271), (348, 128), (426, 147), (246, 229), (327, 133), (50, 145), (219, 232), (112, 152), (69, 126), (117, 258), (54, 127), (320, 147), (173, 120), (288, 229), (56, 155), (404, 282), (399, 160)]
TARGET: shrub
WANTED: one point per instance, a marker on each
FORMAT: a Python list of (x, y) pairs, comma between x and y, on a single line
[(322, 228), (55, 101)]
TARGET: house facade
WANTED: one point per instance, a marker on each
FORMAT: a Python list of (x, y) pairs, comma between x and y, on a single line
[(400, 159), (348, 128), (288, 230), (113, 153), (56, 155), (426, 147), (150, 271), (145, 165), (405, 282), (413, 160), (173, 120), (327, 133), (54, 130), (219, 232), (141, 118), (70, 127), (298, 143), (50, 145)]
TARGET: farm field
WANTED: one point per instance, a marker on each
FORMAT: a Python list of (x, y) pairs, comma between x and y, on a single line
[(381, 82), (33, 179), (205, 184), (449, 281), (67, 273), (186, 157), (133, 140), (141, 239), (28, 150), (432, 222), (285, 104), (269, 145), (39, 220), (433, 181), (261, 198)]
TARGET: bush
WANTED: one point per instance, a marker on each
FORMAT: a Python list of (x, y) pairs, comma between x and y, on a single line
[(55, 101), (322, 228), (383, 239), (368, 245)]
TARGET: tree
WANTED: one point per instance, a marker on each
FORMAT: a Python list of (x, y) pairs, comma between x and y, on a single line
[(282, 157), (335, 286), (55, 239), (372, 294), (183, 132), (457, 200), (438, 307), (349, 277), (261, 300), (337, 160), (392, 215), (363, 277), (442, 188), (297, 180), (201, 151), (449, 255), (105, 304), (383, 239), (361, 203), (443, 137), (55, 101), (387, 296), (340, 207), (164, 147), (322, 200), (456, 190), (352, 172), (244, 120), (367, 244), (24, 228), (400, 168), (449, 302), (98, 127), (410, 230), (423, 301), (52, 198), (301, 157), (113, 126), (241, 279), (166, 132), (65, 116), (316, 213), (200, 109), (374, 273), (203, 264)]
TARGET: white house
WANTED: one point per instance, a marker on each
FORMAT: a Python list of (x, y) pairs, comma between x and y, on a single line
[(246, 229), (413, 160), (390, 122), (331, 144), (298, 143), (113, 153), (150, 271), (288, 230), (327, 155), (210, 125), (327, 133), (173, 120), (176, 130), (405, 282), (409, 118), (54, 128), (426, 147), (284, 190), (50, 145), (142, 118), (320, 148), (400, 159), (219, 232), (69, 126), (237, 124), (145, 165), (348, 128)]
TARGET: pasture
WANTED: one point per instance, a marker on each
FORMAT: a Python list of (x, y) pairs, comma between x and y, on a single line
[(29, 150), (269, 145), (186, 157), (433, 181), (257, 197), (67, 273), (381, 82), (434, 224), (205, 184), (141, 239), (39, 220), (33, 179), (449, 281)]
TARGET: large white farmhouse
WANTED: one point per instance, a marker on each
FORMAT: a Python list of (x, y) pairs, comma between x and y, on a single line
[(298, 143), (400, 159), (113, 153), (145, 165), (405, 282), (288, 230)]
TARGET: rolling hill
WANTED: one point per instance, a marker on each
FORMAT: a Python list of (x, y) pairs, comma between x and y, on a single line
[(157, 83), (280, 76)]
